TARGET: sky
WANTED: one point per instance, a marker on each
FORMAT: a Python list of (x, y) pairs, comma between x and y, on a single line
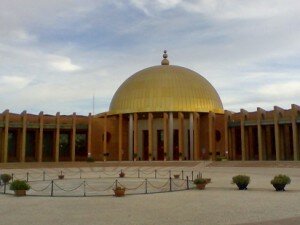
[(55, 55)]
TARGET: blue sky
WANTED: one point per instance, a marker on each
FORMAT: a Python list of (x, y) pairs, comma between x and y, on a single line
[(55, 55)]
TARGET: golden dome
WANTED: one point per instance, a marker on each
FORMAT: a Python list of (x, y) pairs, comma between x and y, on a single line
[(166, 88)]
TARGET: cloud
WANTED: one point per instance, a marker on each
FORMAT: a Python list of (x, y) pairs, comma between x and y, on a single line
[(63, 64)]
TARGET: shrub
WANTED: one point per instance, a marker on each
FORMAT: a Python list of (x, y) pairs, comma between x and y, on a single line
[(281, 179), (200, 181), (5, 178), (241, 181), (19, 185)]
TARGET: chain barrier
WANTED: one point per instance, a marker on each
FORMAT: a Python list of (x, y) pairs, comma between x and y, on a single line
[(179, 186), (73, 189), (43, 189), (135, 188), (144, 186), (156, 187), (106, 189)]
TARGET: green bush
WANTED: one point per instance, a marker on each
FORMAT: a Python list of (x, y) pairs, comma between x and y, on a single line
[(200, 181), (19, 185), (5, 178), (241, 181), (281, 179)]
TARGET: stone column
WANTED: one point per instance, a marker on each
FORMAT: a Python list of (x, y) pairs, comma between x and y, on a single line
[(57, 135), (150, 135), (5, 139), (227, 118), (90, 134), (41, 137), (130, 136), (165, 135), (196, 136), (276, 116), (191, 136), (73, 138), (244, 114), (136, 135), (181, 134), (23, 137), (211, 134), (105, 138), (171, 135), (120, 152), (261, 150), (295, 111)]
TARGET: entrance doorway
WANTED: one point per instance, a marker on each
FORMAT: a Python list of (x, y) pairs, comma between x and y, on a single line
[(175, 145), (145, 145)]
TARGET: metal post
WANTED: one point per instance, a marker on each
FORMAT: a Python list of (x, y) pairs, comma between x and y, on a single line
[(4, 191), (116, 183), (51, 188), (84, 194), (182, 174), (146, 186), (192, 175), (12, 177), (155, 172), (170, 183), (44, 173), (27, 174), (187, 183)]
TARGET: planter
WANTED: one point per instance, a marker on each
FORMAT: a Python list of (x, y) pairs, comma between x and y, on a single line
[(279, 187), (120, 192), (176, 176), (201, 186), (20, 192), (242, 186), (61, 177), (121, 175)]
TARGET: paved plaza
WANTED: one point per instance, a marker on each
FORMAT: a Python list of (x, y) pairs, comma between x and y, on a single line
[(219, 203)]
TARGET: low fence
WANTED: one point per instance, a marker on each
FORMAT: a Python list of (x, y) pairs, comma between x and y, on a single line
[(102, 183), (81, 174)]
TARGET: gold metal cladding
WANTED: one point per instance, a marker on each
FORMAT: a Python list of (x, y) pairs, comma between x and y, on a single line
[(166, 88)]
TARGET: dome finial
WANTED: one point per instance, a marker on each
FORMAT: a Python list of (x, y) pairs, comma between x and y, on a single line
[(165, 61)]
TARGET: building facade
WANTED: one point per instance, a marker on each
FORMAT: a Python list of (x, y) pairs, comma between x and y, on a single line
[(163, 112)]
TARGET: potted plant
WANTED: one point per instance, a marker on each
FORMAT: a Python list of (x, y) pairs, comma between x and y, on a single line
[(5, 178), (280, 181), (122, 174), (61, 176), (176, 176), (119, 191), (241, 181), (19, 187), (200, 183)]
